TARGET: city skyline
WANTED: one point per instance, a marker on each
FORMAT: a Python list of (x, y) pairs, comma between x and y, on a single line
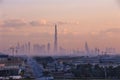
[(96, 22), (29, 48)]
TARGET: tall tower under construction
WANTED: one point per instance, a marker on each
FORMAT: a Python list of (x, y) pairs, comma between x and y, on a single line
[(55, 40)]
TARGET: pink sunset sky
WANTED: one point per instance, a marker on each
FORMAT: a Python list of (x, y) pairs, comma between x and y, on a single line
[(94, 21)]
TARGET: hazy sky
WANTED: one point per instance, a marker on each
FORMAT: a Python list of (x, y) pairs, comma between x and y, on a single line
[(94, 21)]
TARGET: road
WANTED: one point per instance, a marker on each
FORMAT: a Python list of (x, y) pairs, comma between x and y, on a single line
[(36, 68)]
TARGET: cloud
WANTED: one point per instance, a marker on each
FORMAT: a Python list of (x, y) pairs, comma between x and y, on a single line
[(41, 22), (32, 23), (23, 23), (13, 23), (68, 22), (61, 23), (112, 30)]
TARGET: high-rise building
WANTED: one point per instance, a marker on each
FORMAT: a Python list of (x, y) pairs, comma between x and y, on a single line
[(29, 47), (17, 48), (36, 48), (48, 48), (87, 49), (39, 49), (22, 49), (55, 40)]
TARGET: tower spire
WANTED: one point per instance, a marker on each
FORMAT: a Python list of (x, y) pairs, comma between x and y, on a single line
[(55, 40)]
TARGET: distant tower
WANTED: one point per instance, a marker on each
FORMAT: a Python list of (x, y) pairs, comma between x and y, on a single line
[(55, 40), (17, 47), (12, 50), (48, 48), (87, 48), (29, 47)]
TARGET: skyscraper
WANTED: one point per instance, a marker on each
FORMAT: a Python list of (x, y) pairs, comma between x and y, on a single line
[(48, 48), (87, 49), (55, 40), (29, 47)]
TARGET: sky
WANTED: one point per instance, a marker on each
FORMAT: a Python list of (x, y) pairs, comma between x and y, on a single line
[(94, 21)]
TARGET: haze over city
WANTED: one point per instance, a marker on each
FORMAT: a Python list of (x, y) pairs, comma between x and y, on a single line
[(78, 21)]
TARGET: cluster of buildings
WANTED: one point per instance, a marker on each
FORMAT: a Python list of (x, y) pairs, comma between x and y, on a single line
[(11, 67), (62, 67), (47, 49), (18, 67), (28, 47)]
